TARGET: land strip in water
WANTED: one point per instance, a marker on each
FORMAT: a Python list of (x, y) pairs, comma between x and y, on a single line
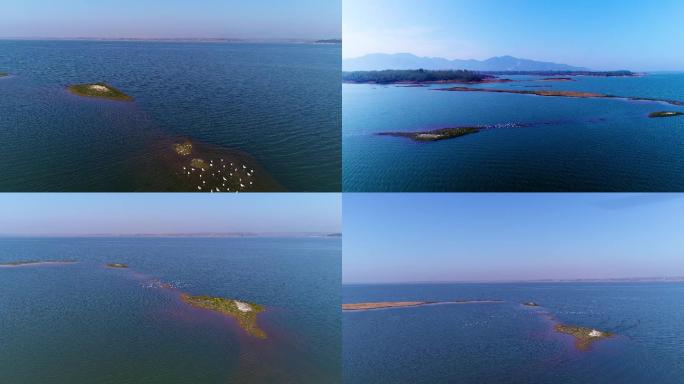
[(408, 304)]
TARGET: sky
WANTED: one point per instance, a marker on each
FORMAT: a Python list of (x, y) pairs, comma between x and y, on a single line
[(254, 19), (602, 35), (510, 237), (167, 213)]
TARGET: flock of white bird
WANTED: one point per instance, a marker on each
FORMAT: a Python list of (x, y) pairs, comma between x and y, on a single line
[(221, 176)]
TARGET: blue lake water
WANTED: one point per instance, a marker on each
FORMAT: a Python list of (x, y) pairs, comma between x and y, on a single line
[(566, 144), (511, 343), (83, 323), (278, 104)]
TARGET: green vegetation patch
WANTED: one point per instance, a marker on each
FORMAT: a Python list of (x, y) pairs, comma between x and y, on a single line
[(435, 135), (413, 76), (244, 312), (4, 74), (584, 337), (117, 265), (183, 149), (101, 90), (664, 114)]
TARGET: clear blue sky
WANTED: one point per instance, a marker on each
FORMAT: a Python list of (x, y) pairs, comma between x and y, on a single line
[(462, 237), (605, 34), (271, 19), (69, 214)]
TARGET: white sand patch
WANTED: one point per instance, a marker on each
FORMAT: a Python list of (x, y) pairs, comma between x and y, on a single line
[(243, 307), (595, 333), (99, 88)]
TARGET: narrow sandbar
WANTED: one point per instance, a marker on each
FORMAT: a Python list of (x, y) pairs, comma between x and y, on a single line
[(408, 304), (35, 263)]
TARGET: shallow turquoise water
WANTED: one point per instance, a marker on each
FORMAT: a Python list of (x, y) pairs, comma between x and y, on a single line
[(279, 103), (566, 144), (510, 343), (83, 323)]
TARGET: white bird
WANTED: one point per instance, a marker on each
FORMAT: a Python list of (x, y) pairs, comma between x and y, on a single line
[(242, 185), (198, 187)]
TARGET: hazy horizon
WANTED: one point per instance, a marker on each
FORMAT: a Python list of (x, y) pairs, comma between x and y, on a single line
[(69, 215), (469, 238), (155, 19), (595, 35)]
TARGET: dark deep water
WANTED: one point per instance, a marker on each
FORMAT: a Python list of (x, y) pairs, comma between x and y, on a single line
[(510, 343), (564, 144), (277, 103), (83, 323)]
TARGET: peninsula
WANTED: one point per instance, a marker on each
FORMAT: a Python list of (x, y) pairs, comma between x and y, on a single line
[(99, 90), (408, 304), (24, 263), (584, 337), (418, 76), (547, 93), (435, 135), (245, 313)]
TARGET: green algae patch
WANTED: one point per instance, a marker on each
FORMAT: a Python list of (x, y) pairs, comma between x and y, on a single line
[(183, 149), (117, 266), (584, 337), (435, 135), (100, 90), (654, 115), (245, 313)]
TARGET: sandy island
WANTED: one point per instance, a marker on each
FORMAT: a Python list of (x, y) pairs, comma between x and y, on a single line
[(654, 115), (100, 90), (408, 304), (245, 313), (117, 266), (434, 135)]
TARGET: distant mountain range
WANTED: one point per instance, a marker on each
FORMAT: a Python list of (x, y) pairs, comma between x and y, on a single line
[(381, 61)]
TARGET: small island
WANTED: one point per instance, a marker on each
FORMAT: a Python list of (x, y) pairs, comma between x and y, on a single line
[(654, 115), (408, 304), (557, 79), (329, 41), (531, 304), (419, 76), (4, 74), (117, 266), (99, 90), (434, 135), (584, 337), (245, 313)]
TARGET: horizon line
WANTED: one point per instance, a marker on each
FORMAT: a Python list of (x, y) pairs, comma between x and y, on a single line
[(665, 279), (180, 39), (173, 234)]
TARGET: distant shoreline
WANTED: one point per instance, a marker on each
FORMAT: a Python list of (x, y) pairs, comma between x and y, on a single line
[(175, 40)]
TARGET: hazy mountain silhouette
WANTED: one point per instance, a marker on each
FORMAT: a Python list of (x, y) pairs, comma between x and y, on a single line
[(380, 61)]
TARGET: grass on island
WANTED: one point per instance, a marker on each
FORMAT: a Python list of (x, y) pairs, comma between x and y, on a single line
[(413, 76), (117, 265), (584, 337), (4, 74), (101, 90), (245, 313), (434, 135), (664, 114), (183, 149)]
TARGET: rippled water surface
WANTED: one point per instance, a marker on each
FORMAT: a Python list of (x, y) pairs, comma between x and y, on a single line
[(511, 343), (564, 144), (84, 323), (277, 103)]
